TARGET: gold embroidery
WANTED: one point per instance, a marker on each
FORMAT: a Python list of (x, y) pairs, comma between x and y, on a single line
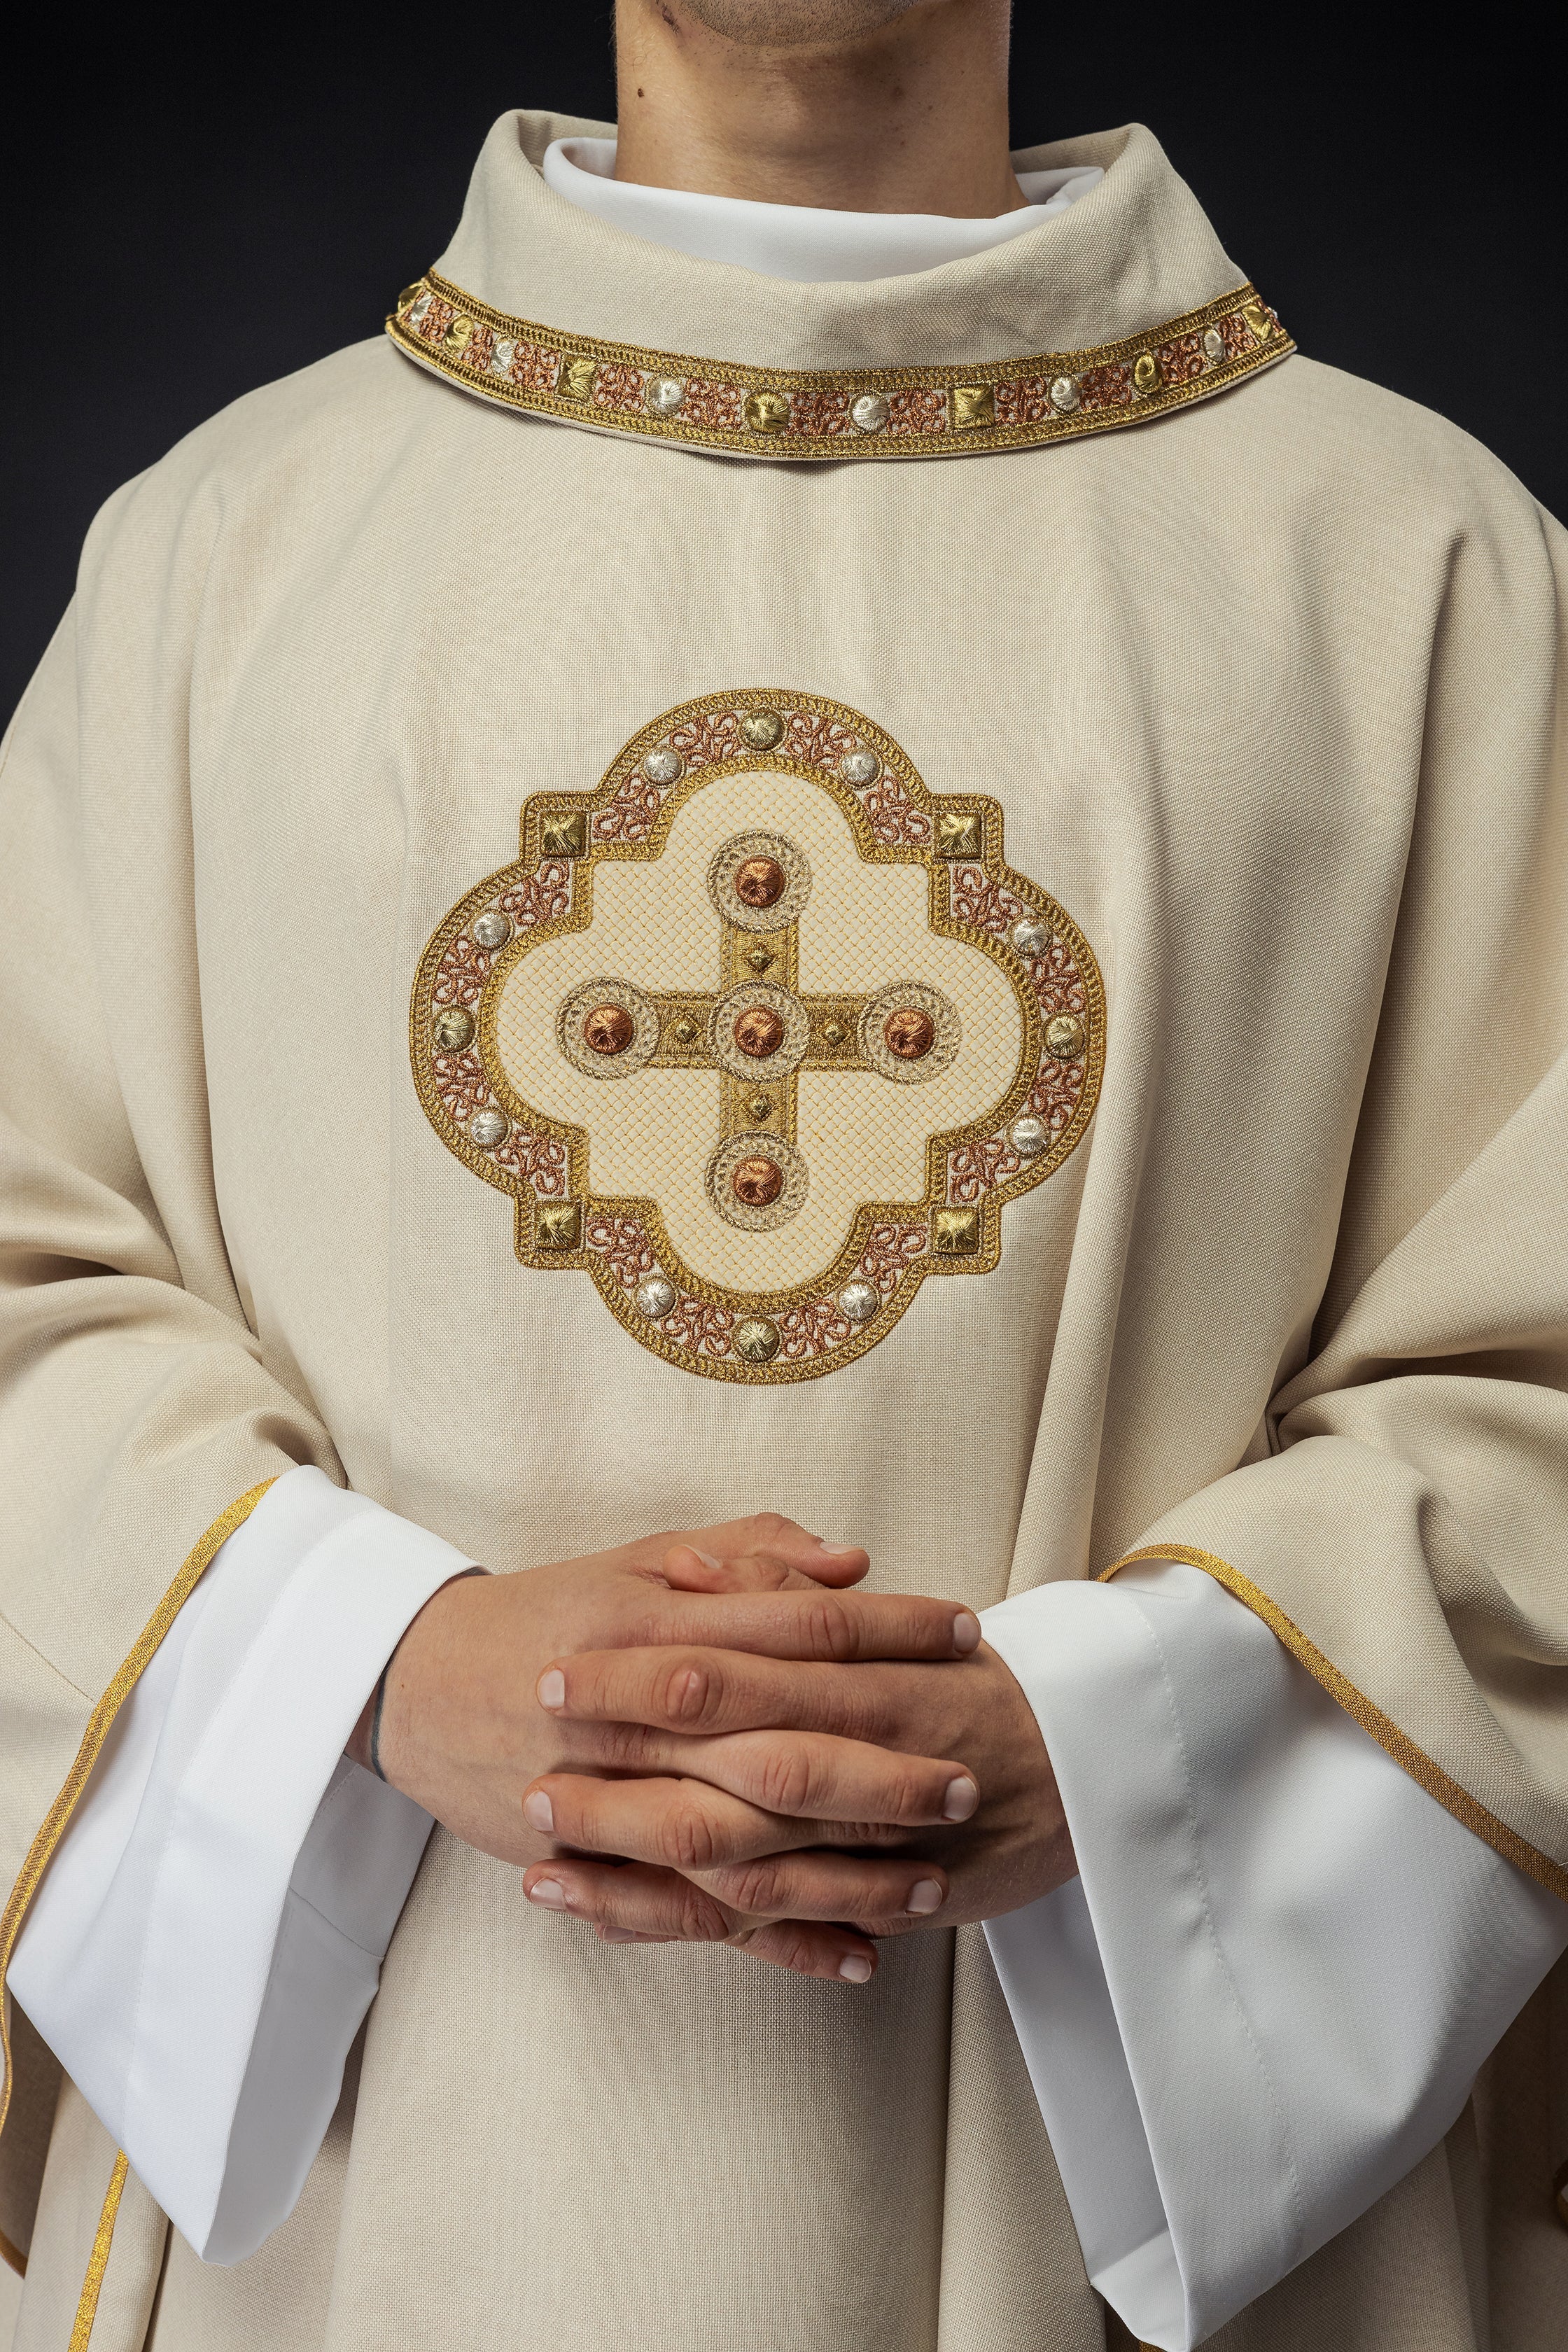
[(873, 413), (55, 1821), (637, 1194), (98, 2260), (1554, 1875)]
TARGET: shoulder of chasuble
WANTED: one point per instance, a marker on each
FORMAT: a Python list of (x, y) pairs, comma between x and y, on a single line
[(758, 1033), (796, 412)]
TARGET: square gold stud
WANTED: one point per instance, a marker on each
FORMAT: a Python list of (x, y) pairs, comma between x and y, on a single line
[(564, 833), (960, 832), (955, 1233), (576, 381), (973, 405), (1258, 321), (767, 412), (558, 1225)]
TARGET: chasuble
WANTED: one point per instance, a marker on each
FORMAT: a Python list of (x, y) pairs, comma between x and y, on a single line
[(933, 902)]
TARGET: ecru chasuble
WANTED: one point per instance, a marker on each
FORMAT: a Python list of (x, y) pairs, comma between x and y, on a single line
[(1226, 982)]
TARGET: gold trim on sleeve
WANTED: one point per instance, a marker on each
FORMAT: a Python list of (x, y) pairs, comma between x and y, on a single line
[(98, 2260), (837, 413), (41, 1851), (1431, 1777)]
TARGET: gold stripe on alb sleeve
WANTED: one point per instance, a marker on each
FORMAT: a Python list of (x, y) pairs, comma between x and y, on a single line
[(98, 2260), (837, 413), (56, 1821), (1553, 1875)]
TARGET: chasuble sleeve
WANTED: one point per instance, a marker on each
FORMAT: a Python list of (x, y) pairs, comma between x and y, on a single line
[(141, 1422), (1295, 1942)]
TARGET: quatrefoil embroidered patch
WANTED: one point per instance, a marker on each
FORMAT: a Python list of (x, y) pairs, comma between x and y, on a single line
[(759, 1034)]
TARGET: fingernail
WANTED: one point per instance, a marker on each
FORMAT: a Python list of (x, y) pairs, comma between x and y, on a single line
[(619, 1936), (925, 1896), (854, 1968), (835, 1552), (959, 1801), (538, 1811), (706, 1558), (966, 1632), (550, 1892), (552, 1688)]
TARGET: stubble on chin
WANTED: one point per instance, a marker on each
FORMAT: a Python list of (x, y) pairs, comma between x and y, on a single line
[(785, 23)]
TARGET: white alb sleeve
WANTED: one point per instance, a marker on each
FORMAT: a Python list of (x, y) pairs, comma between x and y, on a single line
[(210, 1932), (1265, 1995)]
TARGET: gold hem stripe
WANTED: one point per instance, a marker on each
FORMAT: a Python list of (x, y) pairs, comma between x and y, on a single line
[(41, 1851), (98, 2260), (1553, 1875), (14, 2255), (797, 413)]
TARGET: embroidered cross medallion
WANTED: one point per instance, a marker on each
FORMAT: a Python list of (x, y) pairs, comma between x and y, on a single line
[(759, 1034)]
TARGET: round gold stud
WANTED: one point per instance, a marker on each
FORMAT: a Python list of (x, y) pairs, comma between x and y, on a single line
[(489, 1128), (757, 1339), (859, 767), (858, 1300), (1146, 372), (757, 1181), (491, 930), (909, 1033), (608, 1029), (762, 729), (656, 1297), (453, 1028), (1065, 1037), (759, 1031), (663, 765)]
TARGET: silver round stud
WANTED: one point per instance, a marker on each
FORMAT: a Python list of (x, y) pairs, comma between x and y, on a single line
[(1065, 394), (859, 767), (1031, 938), (870, 411), (491, 930), (858, 1301), (665, 394), (501, 356), (1214, 345), (1028, 1136), (656, 1297), (663, 766), (489, 1128)]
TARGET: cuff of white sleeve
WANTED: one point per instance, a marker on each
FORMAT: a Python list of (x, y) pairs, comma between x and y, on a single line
[(213, 1936)]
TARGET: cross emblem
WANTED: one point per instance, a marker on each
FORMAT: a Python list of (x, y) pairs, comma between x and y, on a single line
[(760, 1035)]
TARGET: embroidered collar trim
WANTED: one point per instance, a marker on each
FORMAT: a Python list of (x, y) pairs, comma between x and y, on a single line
[(793, 413)]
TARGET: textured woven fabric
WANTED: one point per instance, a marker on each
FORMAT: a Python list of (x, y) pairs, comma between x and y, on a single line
[(1266, 690)]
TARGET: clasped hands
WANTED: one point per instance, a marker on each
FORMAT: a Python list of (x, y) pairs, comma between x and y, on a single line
[(711, 1738)]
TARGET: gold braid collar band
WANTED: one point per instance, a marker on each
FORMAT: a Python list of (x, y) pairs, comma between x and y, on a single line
[(841, 413)]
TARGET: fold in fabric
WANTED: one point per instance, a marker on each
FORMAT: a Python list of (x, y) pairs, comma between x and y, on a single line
[(209, 1935), (1267, 1994)]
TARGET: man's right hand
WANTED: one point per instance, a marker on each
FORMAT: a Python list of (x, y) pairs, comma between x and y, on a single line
[(463, 1734)]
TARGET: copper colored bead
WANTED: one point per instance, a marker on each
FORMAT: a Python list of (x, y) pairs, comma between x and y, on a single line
[(909, 1033), (760, 881), (608, 1029), (757, 1181), (759, 1031)]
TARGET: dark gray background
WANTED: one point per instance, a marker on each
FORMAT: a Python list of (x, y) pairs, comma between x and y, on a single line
[(195, 205)]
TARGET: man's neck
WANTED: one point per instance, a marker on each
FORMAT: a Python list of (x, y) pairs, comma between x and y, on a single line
[(911, 117)]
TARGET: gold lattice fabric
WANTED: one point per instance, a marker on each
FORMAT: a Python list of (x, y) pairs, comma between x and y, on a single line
[(759, 1034)]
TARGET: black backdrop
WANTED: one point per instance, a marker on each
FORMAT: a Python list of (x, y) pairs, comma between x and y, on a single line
[(194, 205)]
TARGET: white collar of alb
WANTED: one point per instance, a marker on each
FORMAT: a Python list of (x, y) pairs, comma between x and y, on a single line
[(800, 242)]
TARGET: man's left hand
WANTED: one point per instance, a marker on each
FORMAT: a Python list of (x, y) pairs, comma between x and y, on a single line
[(750, 1833)]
